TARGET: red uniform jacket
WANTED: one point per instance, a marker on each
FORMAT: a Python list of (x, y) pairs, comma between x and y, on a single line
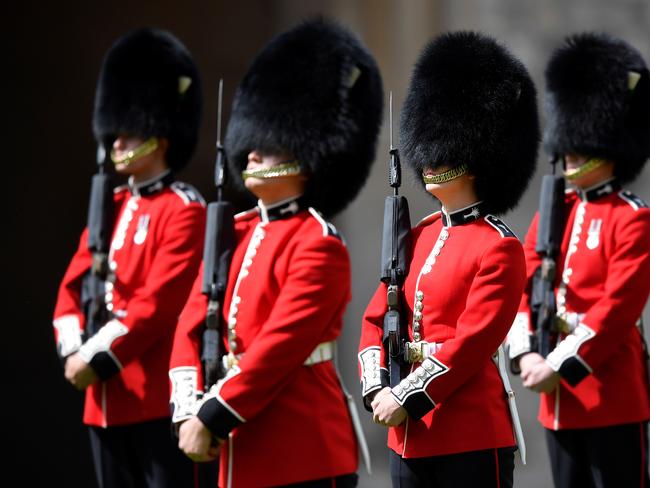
[(154, 256), (464, 283), (602, 282), (288, 288)]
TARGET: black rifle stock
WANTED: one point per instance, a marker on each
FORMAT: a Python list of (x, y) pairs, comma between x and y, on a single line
[(549, 238), (394, 262), (217, 253), (100, 228)]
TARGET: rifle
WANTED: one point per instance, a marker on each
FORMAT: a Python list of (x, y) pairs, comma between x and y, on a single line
[(217, 253), (549, 238), (100, 229), (394, 261)]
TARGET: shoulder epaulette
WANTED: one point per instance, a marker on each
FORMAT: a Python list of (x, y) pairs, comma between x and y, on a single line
[(328, 227), (429, 219), (635, 202), (187, 193), (500, 226)]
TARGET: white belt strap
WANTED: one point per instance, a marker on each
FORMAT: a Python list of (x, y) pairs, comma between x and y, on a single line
[(431, 348), (500, 361), (323, 352), (416, 352)]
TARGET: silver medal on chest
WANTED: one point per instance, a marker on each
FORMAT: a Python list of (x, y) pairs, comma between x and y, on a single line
[(142, 229), (593, 233)]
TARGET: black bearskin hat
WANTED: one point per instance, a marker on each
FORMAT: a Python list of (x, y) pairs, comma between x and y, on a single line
[(598, 102), (314, 91), (472, 102), (149, 86)]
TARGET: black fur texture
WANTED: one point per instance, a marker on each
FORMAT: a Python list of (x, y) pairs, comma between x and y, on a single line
[(138, 93), (590, 109), (471, 101), (296, 97)]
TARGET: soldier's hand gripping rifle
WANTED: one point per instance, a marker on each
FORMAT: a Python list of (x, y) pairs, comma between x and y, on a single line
[(549, 238), (217, 253), (100, 229), (394, 261)]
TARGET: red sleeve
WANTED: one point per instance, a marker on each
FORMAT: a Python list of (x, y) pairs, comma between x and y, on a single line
[(312, 301), (625, 294), (185, 369), (373, 368), (491, 306), (69, 320), (520, 336), (153, 308)]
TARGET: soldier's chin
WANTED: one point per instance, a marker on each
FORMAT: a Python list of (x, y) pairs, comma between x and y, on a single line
[(574, 177), (254, 184), (253, 181), (435, 186), (123, 168), (434, 189)]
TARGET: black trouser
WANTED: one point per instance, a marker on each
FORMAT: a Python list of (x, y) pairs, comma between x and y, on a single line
[(343, 481), (140, 455), (491, 468), (604, 457)]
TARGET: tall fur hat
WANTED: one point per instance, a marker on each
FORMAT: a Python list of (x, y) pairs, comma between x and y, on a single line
[(470, 101), (314, 91), (149, 86), (598, 102)]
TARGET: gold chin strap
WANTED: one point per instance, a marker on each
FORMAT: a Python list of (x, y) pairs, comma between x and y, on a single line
[(448, 175), (283, 169), (147, 147), (590, 165)]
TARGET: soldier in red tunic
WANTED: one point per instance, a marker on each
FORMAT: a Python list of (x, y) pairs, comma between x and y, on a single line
[(301, 138), (594, 388), (147, 109), (469, 125)]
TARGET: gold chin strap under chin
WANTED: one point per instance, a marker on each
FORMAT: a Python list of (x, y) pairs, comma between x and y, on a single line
[(582, 170), (147, 147), (283, 169), (448, 175)]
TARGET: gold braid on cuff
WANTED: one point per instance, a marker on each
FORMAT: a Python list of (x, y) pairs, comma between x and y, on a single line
[(449, 175), (147, 147), (283, 169), (590, 165)]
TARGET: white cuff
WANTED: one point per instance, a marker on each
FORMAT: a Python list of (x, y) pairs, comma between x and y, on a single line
[(518, 340), (569, 346), (370, 369), (184, 393), (102, 340), (69, 334)]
